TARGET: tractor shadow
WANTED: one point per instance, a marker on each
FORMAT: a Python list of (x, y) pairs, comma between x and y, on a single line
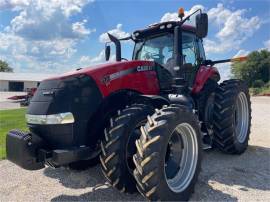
[(76, 179), (91, 179), (219, 173)]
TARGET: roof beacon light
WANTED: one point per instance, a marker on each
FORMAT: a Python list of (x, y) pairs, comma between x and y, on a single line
[(181, 13)]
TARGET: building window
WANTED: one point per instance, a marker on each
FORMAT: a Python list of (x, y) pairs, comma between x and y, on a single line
[(15, 86)]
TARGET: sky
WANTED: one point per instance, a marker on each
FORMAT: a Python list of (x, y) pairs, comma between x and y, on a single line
[(55, 36)]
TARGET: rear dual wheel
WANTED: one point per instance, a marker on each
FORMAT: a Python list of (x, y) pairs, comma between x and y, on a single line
[(168, 157), (232, 117)]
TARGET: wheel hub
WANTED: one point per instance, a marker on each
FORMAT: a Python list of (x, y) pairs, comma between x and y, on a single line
[(173, 155)]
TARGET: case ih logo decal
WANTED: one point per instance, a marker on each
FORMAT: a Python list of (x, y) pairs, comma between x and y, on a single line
[(108, 78), (145, 68)]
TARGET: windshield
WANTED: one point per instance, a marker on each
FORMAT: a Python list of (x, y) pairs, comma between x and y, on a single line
[(158, 49)]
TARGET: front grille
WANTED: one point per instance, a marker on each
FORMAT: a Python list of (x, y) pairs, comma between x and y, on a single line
[(78, 95)]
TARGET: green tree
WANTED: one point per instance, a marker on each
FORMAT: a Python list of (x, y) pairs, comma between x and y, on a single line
[(4, 67), (255, 70)]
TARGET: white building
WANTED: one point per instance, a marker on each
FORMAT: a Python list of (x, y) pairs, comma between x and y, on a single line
[(20, 81)]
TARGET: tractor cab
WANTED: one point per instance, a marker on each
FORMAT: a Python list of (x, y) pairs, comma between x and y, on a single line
[(159, 47), (174, 46)]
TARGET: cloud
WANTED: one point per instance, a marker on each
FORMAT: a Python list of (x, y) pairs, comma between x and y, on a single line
[(42, 33), (234, 29), (240, 53), (88, 60), (34, 21), (174, 16), (79, 28), (117, 32), (14, 4), (100, 58), (224, 71), (267, 44), (67, 7), (15, 49)]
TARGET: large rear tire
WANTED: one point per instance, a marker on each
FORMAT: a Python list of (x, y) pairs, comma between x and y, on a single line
[(232, 117), (118, 147), (168, 157)]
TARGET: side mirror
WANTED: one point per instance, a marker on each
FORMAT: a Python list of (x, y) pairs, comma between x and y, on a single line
[(201, 25), (107, 52)]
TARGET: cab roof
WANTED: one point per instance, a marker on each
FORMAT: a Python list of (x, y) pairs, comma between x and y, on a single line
[(159, 28)]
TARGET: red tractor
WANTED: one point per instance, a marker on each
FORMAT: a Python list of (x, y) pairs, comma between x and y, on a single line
[(146, 120)]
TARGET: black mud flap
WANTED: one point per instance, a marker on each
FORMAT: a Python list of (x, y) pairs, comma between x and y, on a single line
[(21, 151)]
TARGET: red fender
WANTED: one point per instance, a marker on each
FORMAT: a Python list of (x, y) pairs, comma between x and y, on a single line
[(204, 73)]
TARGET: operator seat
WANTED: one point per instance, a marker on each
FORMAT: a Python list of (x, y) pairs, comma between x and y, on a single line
[(184, 76), (170, 65)]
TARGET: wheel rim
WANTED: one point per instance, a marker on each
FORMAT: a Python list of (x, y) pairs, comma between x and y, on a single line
[(241, 117), (181, 157)]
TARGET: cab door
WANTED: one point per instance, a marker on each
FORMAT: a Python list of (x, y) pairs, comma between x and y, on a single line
[(190, 57)]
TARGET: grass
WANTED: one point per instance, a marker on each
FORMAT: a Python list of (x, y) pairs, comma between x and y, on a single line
[(10, 119), (260, 91)]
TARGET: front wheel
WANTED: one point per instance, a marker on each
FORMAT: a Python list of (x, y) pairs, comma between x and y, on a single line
[(168, 157), (118, 147)]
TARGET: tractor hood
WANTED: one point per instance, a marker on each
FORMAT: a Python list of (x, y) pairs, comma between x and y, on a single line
[(110, 77), (103, 69)]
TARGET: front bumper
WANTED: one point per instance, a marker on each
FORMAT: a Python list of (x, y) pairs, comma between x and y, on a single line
[(30, 152)]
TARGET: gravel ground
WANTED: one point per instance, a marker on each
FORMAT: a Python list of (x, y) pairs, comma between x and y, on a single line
[(223, 177), (9, 104)]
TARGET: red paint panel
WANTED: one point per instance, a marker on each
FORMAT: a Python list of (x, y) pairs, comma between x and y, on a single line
[(204, 73), (144, 82)]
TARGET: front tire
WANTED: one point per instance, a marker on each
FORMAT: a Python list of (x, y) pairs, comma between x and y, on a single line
[(118, 146), (232, 117), (168, 157)]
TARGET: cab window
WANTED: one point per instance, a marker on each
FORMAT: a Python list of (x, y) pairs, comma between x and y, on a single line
[(189, 49), (201, 50), (158, 48)]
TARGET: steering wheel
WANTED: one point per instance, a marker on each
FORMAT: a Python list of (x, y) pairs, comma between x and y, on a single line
[(149, 55)]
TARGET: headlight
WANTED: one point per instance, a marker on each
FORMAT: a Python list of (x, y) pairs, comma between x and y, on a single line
[(62, 118)]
